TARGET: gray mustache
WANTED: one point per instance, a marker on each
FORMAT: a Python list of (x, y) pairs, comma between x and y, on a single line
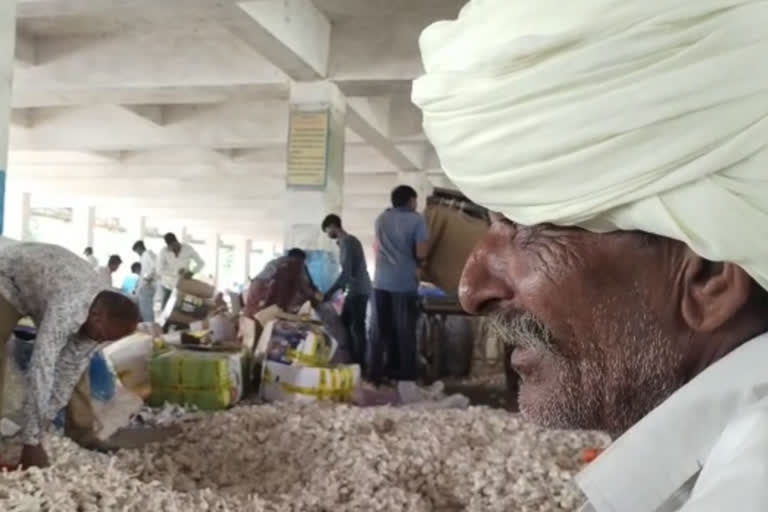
[(521, 330)]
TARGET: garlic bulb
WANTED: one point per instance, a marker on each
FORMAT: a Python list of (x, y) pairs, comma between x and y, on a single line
[(314, 457)]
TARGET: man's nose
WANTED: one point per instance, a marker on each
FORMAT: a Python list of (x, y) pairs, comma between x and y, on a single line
[(481, 285)]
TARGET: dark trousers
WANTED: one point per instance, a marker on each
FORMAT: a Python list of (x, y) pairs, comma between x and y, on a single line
[(353, 317), (394, 318)]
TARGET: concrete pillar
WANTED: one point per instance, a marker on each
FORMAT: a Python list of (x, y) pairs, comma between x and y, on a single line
[(136, 228), (420, 182), (7, 49), (215, 246), (241, 259), (247, 254), (17, 214), (315, 173), (83, 223)]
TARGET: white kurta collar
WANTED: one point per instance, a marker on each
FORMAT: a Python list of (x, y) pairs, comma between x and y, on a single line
[(668, 447)]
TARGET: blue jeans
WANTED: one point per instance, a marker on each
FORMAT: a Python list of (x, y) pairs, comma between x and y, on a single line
[(146, 296)]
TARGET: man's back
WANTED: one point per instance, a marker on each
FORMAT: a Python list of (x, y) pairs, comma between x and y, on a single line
[(32, 274), (398, 230)]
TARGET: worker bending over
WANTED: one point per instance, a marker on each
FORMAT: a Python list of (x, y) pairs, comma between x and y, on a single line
[(285, 283), (106, 273), (73, 312), (176, 260)]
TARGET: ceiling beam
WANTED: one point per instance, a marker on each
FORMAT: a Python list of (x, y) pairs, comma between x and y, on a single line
[(21, 118), (155, 114), (26, 50), (292, 34), (369, 120), (34, 93), (113, 128), (210, 191), (30, 9), (438, 9)]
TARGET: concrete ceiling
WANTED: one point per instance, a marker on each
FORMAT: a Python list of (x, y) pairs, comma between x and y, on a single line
[(178, 108)]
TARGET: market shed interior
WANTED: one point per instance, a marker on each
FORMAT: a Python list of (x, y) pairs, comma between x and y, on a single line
[(238, 126)]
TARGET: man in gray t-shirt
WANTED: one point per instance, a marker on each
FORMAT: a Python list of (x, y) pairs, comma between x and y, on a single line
[(401, 236), (355, 280)]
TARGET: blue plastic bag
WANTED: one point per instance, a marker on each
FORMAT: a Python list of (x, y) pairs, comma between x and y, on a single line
[(101, 378), (323, 268)]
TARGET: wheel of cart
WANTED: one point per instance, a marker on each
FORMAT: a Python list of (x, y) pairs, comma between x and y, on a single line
[(430, 333), (446, 338)]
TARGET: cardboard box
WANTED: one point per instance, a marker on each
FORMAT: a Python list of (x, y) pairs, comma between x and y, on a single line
[(208, 380), (292, 341), (294, 383), (192, 306), (196, 288)]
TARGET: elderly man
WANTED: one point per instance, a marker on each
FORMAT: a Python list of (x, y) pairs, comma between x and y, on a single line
[(625, 146), (73, 312)]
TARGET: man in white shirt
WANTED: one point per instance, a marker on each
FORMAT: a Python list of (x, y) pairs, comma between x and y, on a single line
[(90, 258), (106, 273), (624, 145), (176, 260), (147, 283)]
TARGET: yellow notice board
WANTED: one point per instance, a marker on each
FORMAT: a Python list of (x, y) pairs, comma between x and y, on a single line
[(308, 149)]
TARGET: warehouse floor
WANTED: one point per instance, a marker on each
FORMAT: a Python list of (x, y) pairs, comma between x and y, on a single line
[(487, 390)]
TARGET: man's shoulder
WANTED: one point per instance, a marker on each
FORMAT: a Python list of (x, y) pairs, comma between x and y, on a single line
[(351, 241), (409, 216), (399, 215), (736, 464), (384, 215)]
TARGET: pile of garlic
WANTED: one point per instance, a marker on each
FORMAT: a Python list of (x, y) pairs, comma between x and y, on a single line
[(320, 457)]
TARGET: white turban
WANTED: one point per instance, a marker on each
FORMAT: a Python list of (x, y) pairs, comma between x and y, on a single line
[(609, 114)]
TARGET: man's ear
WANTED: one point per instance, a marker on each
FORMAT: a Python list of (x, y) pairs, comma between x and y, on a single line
[(712, 292)]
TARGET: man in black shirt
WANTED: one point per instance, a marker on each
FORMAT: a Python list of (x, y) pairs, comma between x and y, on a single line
[(355, 280)]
